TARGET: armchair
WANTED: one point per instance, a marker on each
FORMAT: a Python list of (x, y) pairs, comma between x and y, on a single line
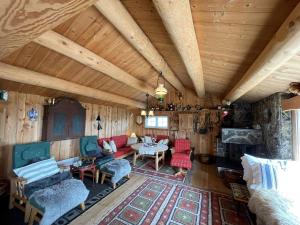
[(181, 155), (90, 152)]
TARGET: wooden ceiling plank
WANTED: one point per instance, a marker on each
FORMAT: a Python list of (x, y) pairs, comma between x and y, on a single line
[(118, 15), (78, 53), (21, 75), (23, 20), (177, 18), (283, 46)]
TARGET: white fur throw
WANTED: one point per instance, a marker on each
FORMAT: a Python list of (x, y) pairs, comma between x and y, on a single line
[(271, 208)]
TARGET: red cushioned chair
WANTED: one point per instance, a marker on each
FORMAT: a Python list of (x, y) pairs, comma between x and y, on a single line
[(181, 155)]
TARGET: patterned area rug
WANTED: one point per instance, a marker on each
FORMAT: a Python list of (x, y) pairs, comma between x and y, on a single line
[(158, 202), (97, 193), (146, 167)]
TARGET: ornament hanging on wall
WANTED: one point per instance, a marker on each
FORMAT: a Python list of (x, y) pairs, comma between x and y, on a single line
[(32, 114)]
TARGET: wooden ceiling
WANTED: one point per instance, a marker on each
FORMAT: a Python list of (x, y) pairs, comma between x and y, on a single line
[(231, 34)]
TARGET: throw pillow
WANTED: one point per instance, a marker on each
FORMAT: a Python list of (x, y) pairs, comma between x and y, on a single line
[(107, 147), (165, 141), (148, 139), (113, 146), (37, 171), (132, 140), (161, 142)]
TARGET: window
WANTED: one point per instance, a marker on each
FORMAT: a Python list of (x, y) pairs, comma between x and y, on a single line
[(158, 122)]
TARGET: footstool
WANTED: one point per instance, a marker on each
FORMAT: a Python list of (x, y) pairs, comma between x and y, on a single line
[(116, 169)]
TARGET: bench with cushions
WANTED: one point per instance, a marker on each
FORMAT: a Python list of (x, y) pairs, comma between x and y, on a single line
[(36, 173), (121, 143)]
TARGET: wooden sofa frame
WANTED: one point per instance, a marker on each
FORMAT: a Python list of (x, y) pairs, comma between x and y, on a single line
[(17, 187)]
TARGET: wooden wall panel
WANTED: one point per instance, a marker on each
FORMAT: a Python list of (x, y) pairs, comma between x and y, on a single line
[(16, 128), (203, 143)]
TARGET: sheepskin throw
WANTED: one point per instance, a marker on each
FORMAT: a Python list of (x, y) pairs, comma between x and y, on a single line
[(271, 208), (58, 199)]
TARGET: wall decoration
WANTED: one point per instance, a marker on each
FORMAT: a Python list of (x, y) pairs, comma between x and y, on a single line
[(139, 120), (32, 114), (3, 95)]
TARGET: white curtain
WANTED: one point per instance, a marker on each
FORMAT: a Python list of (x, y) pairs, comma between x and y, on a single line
[(296, 134)]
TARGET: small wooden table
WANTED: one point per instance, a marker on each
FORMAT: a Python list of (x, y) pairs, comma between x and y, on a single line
[(157, 149), (86, 168)]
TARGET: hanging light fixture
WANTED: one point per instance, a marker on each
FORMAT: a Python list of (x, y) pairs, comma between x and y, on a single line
[(160, 90), (147, 112)]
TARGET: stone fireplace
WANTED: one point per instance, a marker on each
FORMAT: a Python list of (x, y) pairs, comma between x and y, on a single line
[(234, 142)]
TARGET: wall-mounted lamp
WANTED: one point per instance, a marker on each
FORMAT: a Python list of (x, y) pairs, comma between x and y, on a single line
[(51, 101)]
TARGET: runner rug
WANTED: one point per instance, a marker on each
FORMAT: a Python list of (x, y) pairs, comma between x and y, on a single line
[(166, 172), (158, 202)]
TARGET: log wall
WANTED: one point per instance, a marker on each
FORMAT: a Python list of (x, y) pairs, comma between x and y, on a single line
[(16, 128)]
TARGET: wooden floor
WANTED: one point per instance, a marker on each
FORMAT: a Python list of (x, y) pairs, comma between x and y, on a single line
[(203, 176)]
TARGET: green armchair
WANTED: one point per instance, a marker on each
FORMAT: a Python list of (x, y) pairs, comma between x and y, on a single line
[(90, 152)]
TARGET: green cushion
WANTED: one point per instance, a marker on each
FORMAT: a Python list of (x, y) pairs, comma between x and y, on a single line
[(88, 143), (91, 147), (23, 154)]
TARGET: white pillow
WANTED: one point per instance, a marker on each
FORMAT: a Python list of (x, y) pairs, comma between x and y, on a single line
[(161, 142), (148, 139), (107, 146), (165, 141), (37, 171), (132, 140), (113, 146), (248, 161)]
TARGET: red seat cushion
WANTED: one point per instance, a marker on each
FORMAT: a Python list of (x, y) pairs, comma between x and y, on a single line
[(122, 151), (181, 163), (120, 141), (181, 156)]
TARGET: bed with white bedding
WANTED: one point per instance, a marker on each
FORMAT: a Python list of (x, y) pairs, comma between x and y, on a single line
[(274, 190)]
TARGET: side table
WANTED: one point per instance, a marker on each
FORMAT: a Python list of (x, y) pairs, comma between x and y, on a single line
[(86, 170)]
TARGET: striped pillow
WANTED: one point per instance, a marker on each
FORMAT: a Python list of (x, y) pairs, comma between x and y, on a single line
[(265, 175), (38, 170)]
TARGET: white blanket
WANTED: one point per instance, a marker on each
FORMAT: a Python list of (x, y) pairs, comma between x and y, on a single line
[(272, 208)]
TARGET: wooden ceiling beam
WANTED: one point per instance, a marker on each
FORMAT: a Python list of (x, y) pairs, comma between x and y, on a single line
[(24, 20), (21, 75), (283, 46), (69, 48), (291, 103), (118, 16), (177, 18)]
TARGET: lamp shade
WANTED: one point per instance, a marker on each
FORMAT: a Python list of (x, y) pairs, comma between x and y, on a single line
[(143, 113), (133, 135), (161, 90), (151, 113)]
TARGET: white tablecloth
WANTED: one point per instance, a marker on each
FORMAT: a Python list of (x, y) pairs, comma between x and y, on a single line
[(144, 149)]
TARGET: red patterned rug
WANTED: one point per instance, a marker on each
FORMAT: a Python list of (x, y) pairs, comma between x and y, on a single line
[(158, 202), (146, 167)]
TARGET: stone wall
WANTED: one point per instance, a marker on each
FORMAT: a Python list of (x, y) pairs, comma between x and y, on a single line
[(275, 124)]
